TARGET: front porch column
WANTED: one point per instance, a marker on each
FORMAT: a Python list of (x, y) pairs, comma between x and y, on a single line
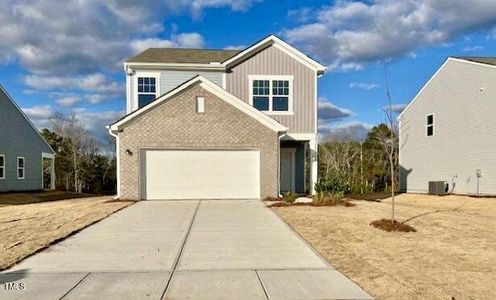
[(52, 173), (314, 164), (51, 158)]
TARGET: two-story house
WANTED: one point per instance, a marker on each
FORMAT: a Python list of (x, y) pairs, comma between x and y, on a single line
[(447, 132), (218, 124), (27, 162)]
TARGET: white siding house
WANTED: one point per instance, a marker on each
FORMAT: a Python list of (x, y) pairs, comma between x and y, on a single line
[(448, 131)]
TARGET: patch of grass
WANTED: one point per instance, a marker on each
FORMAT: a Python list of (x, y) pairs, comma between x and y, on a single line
[(290, 197), (331, 201), (371, 196), (21, 198), (389, 225)]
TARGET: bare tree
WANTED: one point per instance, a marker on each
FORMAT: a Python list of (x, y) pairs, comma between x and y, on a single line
[(388, 140), (81, 144)]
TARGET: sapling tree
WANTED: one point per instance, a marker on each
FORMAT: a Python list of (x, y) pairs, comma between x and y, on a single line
[(389, 140)]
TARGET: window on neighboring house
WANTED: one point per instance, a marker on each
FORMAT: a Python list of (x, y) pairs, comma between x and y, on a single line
[(20, 167), (271, 95), (147, 90), (430, 125), (2, 166)]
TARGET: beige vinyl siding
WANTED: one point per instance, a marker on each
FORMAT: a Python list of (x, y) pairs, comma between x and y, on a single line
[(273, 61), (172, 78), (462, 97)]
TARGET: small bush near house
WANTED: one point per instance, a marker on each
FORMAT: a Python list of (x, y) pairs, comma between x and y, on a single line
[(290, 197), (332, 184), (388, 225), (329, 199)]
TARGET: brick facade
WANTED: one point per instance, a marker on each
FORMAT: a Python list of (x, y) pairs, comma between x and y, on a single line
[(176, 124)]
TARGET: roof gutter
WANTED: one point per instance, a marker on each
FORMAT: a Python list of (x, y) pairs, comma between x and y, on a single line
[(175, 66)]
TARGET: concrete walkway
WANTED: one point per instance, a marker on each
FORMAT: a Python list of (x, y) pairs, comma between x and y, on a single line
[(182, 250)]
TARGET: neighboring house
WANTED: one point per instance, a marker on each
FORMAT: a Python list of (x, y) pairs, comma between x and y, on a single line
[(22, 150), (448, 131), (216, 124)]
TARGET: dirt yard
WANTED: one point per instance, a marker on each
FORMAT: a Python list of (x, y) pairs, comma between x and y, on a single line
[(452, 254), (25, 229)]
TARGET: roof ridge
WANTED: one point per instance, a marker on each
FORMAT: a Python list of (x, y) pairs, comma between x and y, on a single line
[(204, 49)]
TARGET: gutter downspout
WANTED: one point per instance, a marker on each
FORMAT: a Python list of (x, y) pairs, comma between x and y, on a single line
[(117, 162)]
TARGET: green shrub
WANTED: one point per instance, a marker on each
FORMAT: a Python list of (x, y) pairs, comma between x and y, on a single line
[(290, 197), (328, 199), (332, 185)]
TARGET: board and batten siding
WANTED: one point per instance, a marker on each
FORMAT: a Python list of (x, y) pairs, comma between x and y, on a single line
[(462, 97), (19, 139), (272, 61)]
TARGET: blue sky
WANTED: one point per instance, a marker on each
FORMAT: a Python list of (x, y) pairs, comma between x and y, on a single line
[(67, 55)]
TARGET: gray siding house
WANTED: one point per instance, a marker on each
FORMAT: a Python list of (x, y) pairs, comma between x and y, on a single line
[(22, 150), (447, 133), (214, 124)]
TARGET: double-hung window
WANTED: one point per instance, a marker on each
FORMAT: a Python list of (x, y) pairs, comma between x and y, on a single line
[(147, 90), (430, 125), (272, 94), (2, 166), (20, 167)]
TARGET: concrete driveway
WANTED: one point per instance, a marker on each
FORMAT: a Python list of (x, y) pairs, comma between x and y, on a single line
[(181, 250)]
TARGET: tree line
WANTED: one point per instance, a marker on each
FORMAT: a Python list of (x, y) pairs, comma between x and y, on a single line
[(82, 164), (363, 166)]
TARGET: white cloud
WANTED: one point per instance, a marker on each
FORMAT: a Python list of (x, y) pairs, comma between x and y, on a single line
[(330, 112), (39, 112), (68, 101), (356, 33), (364, 85), (396, 108), (301, 15), (94, 121), (183, 40), (353, 131), (235, 47), (472, 48), (95, 83), (83, 37)]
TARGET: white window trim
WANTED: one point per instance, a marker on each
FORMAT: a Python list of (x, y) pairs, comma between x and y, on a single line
[(3, 167), (138, 74), (289, 78), (23, 168), (427, 126)]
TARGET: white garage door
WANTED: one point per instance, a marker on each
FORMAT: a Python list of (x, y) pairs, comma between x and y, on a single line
[(200, 174)]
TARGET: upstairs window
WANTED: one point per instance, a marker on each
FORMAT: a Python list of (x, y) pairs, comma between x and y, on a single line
[(147, 90), (20, 168), (2, 166), (271, 94), (430, 125), (261, 94)]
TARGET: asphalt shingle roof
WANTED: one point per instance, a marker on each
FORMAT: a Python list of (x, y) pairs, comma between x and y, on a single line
[(177, 55), (479, 59)]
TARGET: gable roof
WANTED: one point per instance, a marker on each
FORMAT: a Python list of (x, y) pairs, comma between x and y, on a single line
[(280, 44), (480, 61), (488, 60), (212, 88), (177, 55), (219, 58), (8, 97)]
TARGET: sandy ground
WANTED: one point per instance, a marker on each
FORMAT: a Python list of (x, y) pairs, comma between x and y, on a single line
[(452, 254), (25, 229)]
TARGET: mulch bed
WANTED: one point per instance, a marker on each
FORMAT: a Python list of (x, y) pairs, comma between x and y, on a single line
[(388, 225), (341, 203)]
